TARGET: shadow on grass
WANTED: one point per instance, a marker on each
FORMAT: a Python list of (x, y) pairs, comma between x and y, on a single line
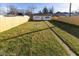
[(71, 29), (25, 34), (36, 20)]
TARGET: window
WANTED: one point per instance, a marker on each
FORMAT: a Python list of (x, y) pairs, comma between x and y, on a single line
[(47, 17)]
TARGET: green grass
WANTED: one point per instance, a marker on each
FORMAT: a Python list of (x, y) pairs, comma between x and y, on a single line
[(31, 38), (69, 34), (23, 29)]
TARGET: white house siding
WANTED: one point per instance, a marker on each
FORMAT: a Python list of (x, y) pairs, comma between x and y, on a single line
[(42, 17), (47, 17), (37, 18)]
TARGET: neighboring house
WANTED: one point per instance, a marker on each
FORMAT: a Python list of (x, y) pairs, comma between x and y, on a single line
[(41, 17), (75, 14), (61, 14)]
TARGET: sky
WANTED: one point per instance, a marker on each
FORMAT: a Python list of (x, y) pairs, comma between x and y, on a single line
[(39, 1), (63, 7)]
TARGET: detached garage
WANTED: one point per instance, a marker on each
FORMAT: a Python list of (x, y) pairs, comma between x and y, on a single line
[(42, 16)]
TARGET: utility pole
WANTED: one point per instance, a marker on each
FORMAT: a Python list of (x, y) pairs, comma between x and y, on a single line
[(70, 9)]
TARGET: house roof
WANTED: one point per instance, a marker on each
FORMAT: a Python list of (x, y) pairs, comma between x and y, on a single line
[(43, 14)]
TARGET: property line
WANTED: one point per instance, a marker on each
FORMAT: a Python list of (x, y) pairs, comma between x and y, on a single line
[(68, 48)]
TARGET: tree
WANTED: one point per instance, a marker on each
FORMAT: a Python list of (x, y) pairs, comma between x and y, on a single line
[(51, 11), (20, 12), (31, 9), (45, 10), (28, 12), (13, 10), (40, 12), (3, 10)]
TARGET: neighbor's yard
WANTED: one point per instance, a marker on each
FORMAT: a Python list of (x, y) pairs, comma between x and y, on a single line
[(69, 34), (72, 20)]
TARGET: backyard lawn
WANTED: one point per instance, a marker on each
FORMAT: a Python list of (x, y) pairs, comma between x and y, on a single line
[(37, 38), (31, 38)]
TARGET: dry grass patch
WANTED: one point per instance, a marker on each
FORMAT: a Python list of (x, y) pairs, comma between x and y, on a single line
[(72, 20), (10, 22)]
